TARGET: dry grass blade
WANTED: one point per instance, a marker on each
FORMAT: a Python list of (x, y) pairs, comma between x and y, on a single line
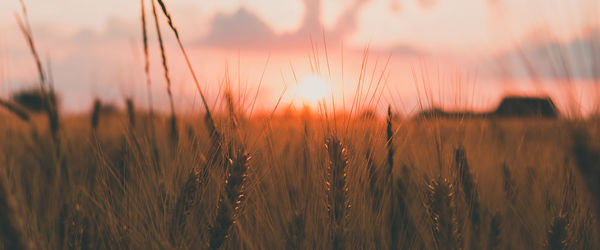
[(231, 198), (337, 190)]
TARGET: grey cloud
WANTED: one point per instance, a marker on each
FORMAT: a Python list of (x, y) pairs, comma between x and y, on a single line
[(576, 59), (242, 27), (246, 30), (405, 50)]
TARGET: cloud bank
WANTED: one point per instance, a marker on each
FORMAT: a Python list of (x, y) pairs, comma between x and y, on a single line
[(245, 30), (577, 59)]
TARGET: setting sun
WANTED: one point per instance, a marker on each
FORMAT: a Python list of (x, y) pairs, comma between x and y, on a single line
[(313, 88)]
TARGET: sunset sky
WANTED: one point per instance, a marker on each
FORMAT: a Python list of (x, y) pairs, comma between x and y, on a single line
[(94, 47)]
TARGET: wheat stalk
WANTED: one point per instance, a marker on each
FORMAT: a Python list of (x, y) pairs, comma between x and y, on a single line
[(467, 183), (297, 231), (12, 231), (373, 178), (129, 105), (494, 235), (509, 185), (174, 133), (231, 198), (231, 109), (209, 121), (49, 97), (338, 202), (390, 141), (186, 201), (74, 231), (146, 59), (399, 215), (441, 208), (587, 159), (558, 233), (95, 118)]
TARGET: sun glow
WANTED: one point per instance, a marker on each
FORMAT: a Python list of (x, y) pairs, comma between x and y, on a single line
[(313, 88)]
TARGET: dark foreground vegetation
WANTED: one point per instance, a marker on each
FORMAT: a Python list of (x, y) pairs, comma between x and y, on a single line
[(298, 182)]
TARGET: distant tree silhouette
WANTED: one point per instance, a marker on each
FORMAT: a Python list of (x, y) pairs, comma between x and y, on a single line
[(34, 100), (510, 106)]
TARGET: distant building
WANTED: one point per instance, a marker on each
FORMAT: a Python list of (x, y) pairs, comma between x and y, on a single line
[(522, 106), (510, 106)]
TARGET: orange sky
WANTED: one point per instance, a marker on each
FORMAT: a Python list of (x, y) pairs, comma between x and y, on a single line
[(95, 47)]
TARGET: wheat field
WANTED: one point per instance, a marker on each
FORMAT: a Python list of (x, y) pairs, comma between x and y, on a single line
[(137, 178), (114, 186)]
